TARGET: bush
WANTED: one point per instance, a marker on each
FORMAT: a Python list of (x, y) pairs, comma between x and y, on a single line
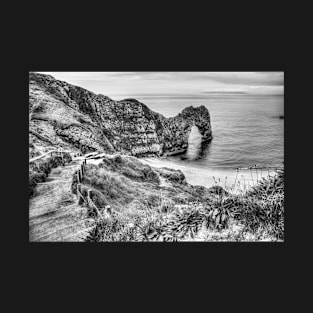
[(39, 108), (263, 206), (153, 200), (34, 179), (218, 190), (39, 174), (98, 198), (260, 211), (46, 165), (182, 198), (175, 176), (115, 229)]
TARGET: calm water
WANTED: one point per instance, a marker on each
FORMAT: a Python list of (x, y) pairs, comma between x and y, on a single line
[(246, 130)]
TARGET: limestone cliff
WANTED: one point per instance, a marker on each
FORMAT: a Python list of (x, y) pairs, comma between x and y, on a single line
[(176, 130), (72, 117)]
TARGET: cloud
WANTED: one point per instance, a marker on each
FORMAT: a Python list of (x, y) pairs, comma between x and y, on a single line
[(136, 83), (249, 78)]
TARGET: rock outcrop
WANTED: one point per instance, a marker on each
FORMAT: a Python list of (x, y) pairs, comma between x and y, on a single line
[(176, 129), (74, 118)]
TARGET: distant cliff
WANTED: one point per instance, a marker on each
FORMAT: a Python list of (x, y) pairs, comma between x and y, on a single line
[(67, 116)]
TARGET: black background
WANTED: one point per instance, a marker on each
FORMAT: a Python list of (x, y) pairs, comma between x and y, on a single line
[(240, 276)]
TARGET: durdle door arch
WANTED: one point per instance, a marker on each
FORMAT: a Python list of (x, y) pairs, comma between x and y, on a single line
[(176, 130), (89, 122)]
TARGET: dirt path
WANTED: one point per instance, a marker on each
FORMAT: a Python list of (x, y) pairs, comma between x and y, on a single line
[(54, 214)]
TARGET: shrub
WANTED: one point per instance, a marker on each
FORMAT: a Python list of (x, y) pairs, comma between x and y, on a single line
[(115, 229), (46, 165), (39, 174), (218, 190), (259, 215), (34, 179), (175, 176), (259, 211), (263, 206), (182, 198), (153, 200), (39, 108), (98, 198)]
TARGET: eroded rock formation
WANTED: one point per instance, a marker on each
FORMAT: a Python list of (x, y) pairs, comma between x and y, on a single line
[(176, 129), (75, 118)]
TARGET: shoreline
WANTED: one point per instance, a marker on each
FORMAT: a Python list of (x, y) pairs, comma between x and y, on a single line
[(208, 177), (229, 179)]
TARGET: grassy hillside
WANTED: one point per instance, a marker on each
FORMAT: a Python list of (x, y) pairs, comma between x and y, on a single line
[(159, 205)]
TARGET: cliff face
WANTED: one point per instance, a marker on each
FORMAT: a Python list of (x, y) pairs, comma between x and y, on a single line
[(71, 117)]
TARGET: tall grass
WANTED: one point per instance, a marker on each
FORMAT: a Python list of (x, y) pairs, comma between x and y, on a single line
[(258, 210)]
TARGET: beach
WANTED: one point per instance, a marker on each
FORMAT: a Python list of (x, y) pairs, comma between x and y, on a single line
[(231, 179)]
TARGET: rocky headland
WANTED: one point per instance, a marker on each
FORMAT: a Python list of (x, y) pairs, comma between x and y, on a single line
[(73, 118)]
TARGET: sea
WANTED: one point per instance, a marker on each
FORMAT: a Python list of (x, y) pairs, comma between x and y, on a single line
[(248, 131)]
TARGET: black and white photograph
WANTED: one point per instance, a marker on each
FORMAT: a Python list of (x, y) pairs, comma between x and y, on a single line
[(156, 156)]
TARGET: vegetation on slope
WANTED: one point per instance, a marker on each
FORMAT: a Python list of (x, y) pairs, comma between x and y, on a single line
[(147, 209), (126, 184), (40, 173)]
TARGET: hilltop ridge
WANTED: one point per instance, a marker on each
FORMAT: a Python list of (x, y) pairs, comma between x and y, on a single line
[(71, 117)]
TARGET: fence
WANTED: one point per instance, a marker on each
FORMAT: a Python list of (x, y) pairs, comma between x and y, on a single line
[(80, 174), (54, 152), (88, 201), (34, 162)]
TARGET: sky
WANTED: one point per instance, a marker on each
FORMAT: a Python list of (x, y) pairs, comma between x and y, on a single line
[(174, 83)]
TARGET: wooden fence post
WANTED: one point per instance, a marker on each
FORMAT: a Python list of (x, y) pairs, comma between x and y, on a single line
[(78, 192), (81, 173)]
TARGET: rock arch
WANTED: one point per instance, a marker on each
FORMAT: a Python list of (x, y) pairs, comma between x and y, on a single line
[(176, 130), (89, 122)]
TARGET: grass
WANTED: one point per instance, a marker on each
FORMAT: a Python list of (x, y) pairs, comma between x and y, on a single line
[(256, 214), (40, 173), (124, 184)]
